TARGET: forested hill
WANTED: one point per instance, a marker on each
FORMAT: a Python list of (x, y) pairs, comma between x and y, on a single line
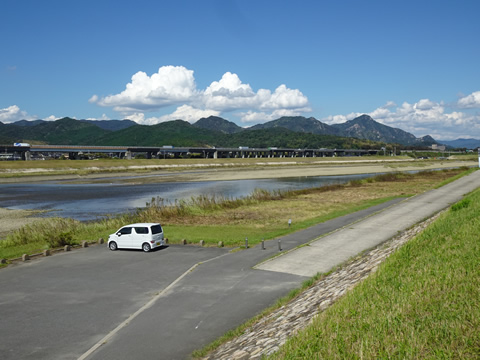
[(292, 132)]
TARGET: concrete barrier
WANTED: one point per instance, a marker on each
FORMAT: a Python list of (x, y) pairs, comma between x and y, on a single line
[(67, 248), (46, 252), (220, 244), (101, 241), (184, 242), (25, 257), (202, 243), (84, 244)]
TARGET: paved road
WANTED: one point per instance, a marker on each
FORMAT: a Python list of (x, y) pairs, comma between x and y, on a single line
[(342, 245), (61, 307)]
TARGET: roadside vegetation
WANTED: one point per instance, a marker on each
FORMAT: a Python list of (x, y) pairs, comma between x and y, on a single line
[(262, 215), (422, 303)]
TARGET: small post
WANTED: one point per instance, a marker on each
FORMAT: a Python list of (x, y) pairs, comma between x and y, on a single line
[(263, 244), (289, 222), (202, 243), (46, 252), (84, 244), (25, 257), (100, 241), (279, 245), (246, 243)]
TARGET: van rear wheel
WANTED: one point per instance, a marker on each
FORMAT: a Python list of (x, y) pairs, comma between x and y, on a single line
[(146, 247)]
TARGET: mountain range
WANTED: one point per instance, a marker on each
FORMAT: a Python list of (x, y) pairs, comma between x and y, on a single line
[(298, 131)]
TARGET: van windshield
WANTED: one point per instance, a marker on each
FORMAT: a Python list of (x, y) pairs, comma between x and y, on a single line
[(156, 229)]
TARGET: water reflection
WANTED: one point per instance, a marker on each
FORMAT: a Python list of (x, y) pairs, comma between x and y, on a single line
[(91, 201)]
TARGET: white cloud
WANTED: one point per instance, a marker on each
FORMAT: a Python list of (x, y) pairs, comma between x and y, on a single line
[(103, 117), (339, 119), (231, 94), (424, 117), (184, 112), (139, 118), (285, 98), (12, 114), (175, 85), (170, 85), (470, 101), (261, 117), (93, 99), (52, 118)]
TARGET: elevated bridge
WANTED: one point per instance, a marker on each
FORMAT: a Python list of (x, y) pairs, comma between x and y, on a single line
[(26, 152)]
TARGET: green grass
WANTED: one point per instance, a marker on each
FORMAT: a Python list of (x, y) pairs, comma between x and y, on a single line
[(422, 303), (262, 215), (235, 235)]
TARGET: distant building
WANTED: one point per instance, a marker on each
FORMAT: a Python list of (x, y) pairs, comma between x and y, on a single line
[(438, 147)]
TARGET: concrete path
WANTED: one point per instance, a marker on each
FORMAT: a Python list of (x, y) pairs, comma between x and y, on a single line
[(323, 254)]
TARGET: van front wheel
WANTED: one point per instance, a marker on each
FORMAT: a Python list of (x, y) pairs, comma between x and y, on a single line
[(146, 247)]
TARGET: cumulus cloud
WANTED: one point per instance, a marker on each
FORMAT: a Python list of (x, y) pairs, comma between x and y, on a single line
[(425, 117), (170, 85), (103, 117), (52, 118), (470, 101), (184, 112), (12, 114), (175, 85), (339, 119), (261, 117)]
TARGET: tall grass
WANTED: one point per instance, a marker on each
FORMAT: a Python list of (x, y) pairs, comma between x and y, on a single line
[(422, 303), (215, 218)]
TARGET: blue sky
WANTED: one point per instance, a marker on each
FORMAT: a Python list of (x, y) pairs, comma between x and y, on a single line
[(414, 65)]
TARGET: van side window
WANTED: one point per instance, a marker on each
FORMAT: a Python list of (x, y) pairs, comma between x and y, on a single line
[(156, 229), (141, 230), (125, 230)]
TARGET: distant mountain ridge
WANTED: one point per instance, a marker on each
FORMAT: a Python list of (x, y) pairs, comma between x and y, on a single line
[(462, 143), (364, 127), (300, 124), (210, 131), (218, 124)]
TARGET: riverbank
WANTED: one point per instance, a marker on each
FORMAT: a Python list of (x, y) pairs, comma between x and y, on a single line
[(11, 220), (211, 219), (149, 172), (144, 172)]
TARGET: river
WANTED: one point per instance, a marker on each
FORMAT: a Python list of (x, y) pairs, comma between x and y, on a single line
[(92, 201)]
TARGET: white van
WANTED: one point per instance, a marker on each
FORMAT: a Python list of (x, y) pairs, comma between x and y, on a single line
[(145, 236)]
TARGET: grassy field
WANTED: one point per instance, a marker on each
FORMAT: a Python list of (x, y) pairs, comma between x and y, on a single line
[(422, 303), (262, 215)]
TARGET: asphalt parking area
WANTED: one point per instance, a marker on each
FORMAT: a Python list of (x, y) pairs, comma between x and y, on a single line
[(58, 306)]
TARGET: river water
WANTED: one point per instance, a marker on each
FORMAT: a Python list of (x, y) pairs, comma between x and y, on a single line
[(93, 201)]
